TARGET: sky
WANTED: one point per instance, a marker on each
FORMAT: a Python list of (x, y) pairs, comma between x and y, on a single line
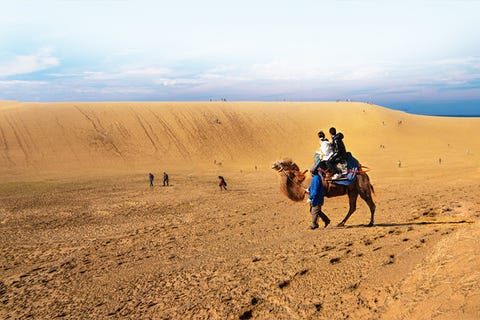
[(418, 56)]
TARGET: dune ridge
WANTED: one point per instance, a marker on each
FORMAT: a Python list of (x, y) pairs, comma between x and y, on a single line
[(75, 137)]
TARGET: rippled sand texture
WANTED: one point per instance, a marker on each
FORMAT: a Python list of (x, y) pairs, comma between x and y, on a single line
[(83, 235)]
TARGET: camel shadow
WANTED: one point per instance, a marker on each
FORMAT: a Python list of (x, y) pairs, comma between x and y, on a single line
[(408, 224)]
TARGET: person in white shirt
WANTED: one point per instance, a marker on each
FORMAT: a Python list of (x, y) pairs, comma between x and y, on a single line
[(325, 147), (324, 154)]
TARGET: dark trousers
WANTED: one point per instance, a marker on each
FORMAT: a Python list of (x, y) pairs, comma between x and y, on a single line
[(317, 212)]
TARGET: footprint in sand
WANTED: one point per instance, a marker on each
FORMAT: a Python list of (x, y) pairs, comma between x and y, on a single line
[(284, 284), (246, 315), (391, 259), (335, 260)]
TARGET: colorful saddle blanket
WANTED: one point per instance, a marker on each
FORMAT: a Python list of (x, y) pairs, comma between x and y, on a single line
[(351, 172)]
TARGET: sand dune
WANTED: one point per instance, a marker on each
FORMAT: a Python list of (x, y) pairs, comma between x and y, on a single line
[(37, 137), (82, 235), (126, 135)]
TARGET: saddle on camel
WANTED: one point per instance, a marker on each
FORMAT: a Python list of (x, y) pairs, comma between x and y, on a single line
[(355, 183)]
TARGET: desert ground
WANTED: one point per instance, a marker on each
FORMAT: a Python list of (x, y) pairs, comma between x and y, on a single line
[(84, 236)]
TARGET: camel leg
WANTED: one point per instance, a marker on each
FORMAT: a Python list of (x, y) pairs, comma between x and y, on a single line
[(369, 200), (352, 199)]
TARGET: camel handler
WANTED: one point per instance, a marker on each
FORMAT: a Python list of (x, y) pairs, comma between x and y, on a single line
[(315, 199)]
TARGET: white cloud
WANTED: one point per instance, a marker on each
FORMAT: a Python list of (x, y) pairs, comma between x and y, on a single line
[(178, 82), (25, 64), (145, 73), (22, 83), (294, 70)]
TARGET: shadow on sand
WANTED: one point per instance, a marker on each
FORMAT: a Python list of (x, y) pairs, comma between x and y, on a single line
[(236, 190), (405, 224)]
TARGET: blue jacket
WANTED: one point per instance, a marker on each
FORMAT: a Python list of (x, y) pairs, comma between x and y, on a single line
[(316, 191)]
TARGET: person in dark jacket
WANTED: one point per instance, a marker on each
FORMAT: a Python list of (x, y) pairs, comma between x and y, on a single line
[(316, 199), (339, 151), (150, 178), (165, 179)]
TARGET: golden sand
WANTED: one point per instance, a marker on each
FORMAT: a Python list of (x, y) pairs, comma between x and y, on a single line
[(82, 235)]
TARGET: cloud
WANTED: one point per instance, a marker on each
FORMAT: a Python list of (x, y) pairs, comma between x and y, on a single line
[(25, 64), (115, 91), (179, 82), (18, 83), (314, 70), (142, 73)]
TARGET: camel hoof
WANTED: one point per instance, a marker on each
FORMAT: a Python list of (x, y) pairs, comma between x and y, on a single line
[(370, 224), (341, 224)]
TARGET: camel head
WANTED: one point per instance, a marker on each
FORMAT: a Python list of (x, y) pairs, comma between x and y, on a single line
[(285, 165), (291, 179)]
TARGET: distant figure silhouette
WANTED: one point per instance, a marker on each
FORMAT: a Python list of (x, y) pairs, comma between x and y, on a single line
[(150, 178), (222, 183), (399, 163), (165, 179)]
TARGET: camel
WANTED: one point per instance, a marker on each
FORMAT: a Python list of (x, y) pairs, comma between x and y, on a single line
[(292, 179)]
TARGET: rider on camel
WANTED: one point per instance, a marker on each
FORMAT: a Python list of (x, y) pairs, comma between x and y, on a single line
[(339, 153), (323, 154)]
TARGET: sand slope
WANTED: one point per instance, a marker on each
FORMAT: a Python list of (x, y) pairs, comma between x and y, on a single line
[(122, 135), (76, 245), (68, 136)]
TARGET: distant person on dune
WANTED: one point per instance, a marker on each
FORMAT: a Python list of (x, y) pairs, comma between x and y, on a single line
[(222, 183), (165, 179), (316, 199), (150, 178)]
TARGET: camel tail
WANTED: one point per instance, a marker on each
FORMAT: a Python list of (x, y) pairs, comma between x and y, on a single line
[(369, 183)]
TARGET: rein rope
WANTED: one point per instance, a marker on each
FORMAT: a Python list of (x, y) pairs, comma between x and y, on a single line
[(290, 179)]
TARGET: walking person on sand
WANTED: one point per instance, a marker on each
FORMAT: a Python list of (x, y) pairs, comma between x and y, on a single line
[(222, 183), (316, 199), (165, 179), (150, 178)]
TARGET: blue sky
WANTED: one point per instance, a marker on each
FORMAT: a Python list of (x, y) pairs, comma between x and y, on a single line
[(418, 56)]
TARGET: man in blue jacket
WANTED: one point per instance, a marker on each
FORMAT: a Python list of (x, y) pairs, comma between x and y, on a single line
[(316, 199)]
